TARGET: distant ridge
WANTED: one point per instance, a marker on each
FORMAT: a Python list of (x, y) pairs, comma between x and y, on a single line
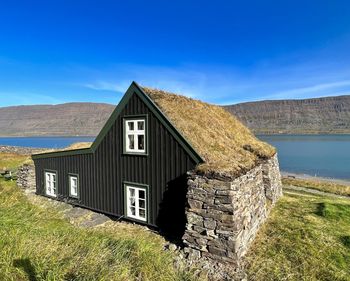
[(307, 116), (69, 119)]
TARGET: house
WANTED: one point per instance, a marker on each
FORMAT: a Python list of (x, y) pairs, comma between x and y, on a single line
[(168, 161)]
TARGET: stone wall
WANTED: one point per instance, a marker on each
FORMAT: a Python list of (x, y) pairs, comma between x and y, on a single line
[(26, 177), (272, 179), (223, 217), (21, 150)]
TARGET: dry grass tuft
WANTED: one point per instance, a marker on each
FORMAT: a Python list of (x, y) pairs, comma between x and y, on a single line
[(73, 146), (11, 161), (226, 145), (321, 185), (78, 145)]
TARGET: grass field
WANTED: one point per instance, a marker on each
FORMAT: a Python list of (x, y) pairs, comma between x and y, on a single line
[(37, 243), (11, 161), (326, 186), (307, 237)]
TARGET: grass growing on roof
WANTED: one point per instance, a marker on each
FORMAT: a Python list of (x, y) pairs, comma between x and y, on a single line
[(73, 146), (307, 237), (78, 145), (226, 145)]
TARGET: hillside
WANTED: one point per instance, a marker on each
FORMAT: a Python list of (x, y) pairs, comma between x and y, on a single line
[(317, 115), (69, 119)]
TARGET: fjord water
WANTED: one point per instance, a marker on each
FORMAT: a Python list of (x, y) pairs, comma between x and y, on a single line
[(43, 142), (315, 155)]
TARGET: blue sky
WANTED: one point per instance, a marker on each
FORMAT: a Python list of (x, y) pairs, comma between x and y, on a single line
[(219, 51)]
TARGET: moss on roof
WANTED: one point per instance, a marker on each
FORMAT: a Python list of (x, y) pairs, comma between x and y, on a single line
[(78, 145), (73, 146), (226, 145)]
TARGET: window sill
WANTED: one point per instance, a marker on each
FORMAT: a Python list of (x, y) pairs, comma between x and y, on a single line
[(135, 153), (136, 220)]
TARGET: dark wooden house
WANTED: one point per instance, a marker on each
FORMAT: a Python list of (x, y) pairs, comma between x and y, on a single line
[(135, 169), (137, 166)]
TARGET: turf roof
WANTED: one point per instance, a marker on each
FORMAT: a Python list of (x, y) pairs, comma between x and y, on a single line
[(226, 145)]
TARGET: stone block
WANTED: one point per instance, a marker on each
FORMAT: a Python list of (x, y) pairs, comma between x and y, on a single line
[(195, 204), (194, 219), (216, 251), (193, 254), (209, 223), (199, 229)]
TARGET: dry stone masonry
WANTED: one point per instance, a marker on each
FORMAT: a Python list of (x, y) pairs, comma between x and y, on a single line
[(26, 177), (21, 150), (223, 216)]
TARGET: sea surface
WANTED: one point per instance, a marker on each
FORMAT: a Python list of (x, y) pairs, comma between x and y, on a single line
[(316, 155), (44, 142)]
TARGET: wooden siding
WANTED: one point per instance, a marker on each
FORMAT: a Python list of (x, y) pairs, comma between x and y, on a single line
[(102, 173)]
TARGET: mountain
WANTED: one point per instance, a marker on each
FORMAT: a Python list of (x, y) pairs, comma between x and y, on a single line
[(69, 119), (307, 116)]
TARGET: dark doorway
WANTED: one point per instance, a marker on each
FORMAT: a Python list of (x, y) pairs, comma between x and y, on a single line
[(172, 218)]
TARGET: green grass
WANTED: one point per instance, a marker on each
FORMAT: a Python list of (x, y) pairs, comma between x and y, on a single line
[(36, 243), (11, 161), (306, 237), (326, 186)]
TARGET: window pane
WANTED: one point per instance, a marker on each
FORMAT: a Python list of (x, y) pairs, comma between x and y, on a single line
[(141, 125), (132, 198), (131, 142), (130, 125), (132, 211), (131, 192), (142, 213), (53, 177), (74, 182), (142, 194), (142, 203), (141, 142)]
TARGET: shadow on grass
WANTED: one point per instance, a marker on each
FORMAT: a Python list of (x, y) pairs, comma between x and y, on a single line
[(321, 209), (345, 241), (27, 266)]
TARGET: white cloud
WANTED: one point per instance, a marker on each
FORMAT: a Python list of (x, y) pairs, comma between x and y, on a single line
[(106, 86), (318, 89), (222, 85)]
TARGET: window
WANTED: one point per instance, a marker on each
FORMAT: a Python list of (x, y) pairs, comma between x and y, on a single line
[(73, 186), (136, 202), (135, 136), (51, 184)]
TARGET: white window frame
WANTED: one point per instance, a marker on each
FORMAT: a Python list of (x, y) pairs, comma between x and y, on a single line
[(135, 133), (137, 200), (51, 183), (70, 179)]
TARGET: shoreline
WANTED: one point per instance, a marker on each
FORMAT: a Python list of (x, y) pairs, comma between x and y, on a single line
[(285, 174), (25, 137)]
